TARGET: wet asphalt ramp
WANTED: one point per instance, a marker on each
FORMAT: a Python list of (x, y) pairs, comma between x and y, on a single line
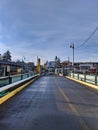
[(51, 103)]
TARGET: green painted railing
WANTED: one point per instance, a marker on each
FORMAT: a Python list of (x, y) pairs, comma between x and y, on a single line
[(93, 79), (14, 78), (10, 83)]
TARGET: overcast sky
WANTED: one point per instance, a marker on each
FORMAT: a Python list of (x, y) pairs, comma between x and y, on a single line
[(46, 28)]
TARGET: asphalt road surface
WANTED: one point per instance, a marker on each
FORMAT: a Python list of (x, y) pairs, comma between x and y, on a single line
[(51, 103)]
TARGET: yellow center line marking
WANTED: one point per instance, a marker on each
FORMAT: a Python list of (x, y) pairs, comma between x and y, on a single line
[(83, 124)]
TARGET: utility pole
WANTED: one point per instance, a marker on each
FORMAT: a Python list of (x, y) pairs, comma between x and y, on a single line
[(72, 46)]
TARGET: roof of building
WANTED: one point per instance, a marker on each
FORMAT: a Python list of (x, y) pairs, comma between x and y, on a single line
[(11, 63)]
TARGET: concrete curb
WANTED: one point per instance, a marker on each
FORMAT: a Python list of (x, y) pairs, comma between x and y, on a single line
[(84, 83)]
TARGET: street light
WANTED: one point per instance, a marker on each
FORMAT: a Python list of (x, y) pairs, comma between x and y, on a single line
[(72, 46)]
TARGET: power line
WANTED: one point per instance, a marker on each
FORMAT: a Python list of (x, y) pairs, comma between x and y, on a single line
[(87, 38)]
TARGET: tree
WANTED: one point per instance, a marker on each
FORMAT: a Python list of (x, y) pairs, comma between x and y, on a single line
[(6, 56), (57, 61), (56, 58), (18, 61)]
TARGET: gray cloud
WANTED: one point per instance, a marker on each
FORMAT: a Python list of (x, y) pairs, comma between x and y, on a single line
[(47, 28)]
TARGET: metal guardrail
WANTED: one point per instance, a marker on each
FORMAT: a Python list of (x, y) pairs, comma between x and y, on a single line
[(93, 79), (13, 83), (14, 78)]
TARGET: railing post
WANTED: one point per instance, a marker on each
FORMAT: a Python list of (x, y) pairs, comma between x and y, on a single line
[(78, 76), (73, 74), (21, 76), (84, 77), (96, 79), (27, 75), (10, 80)]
